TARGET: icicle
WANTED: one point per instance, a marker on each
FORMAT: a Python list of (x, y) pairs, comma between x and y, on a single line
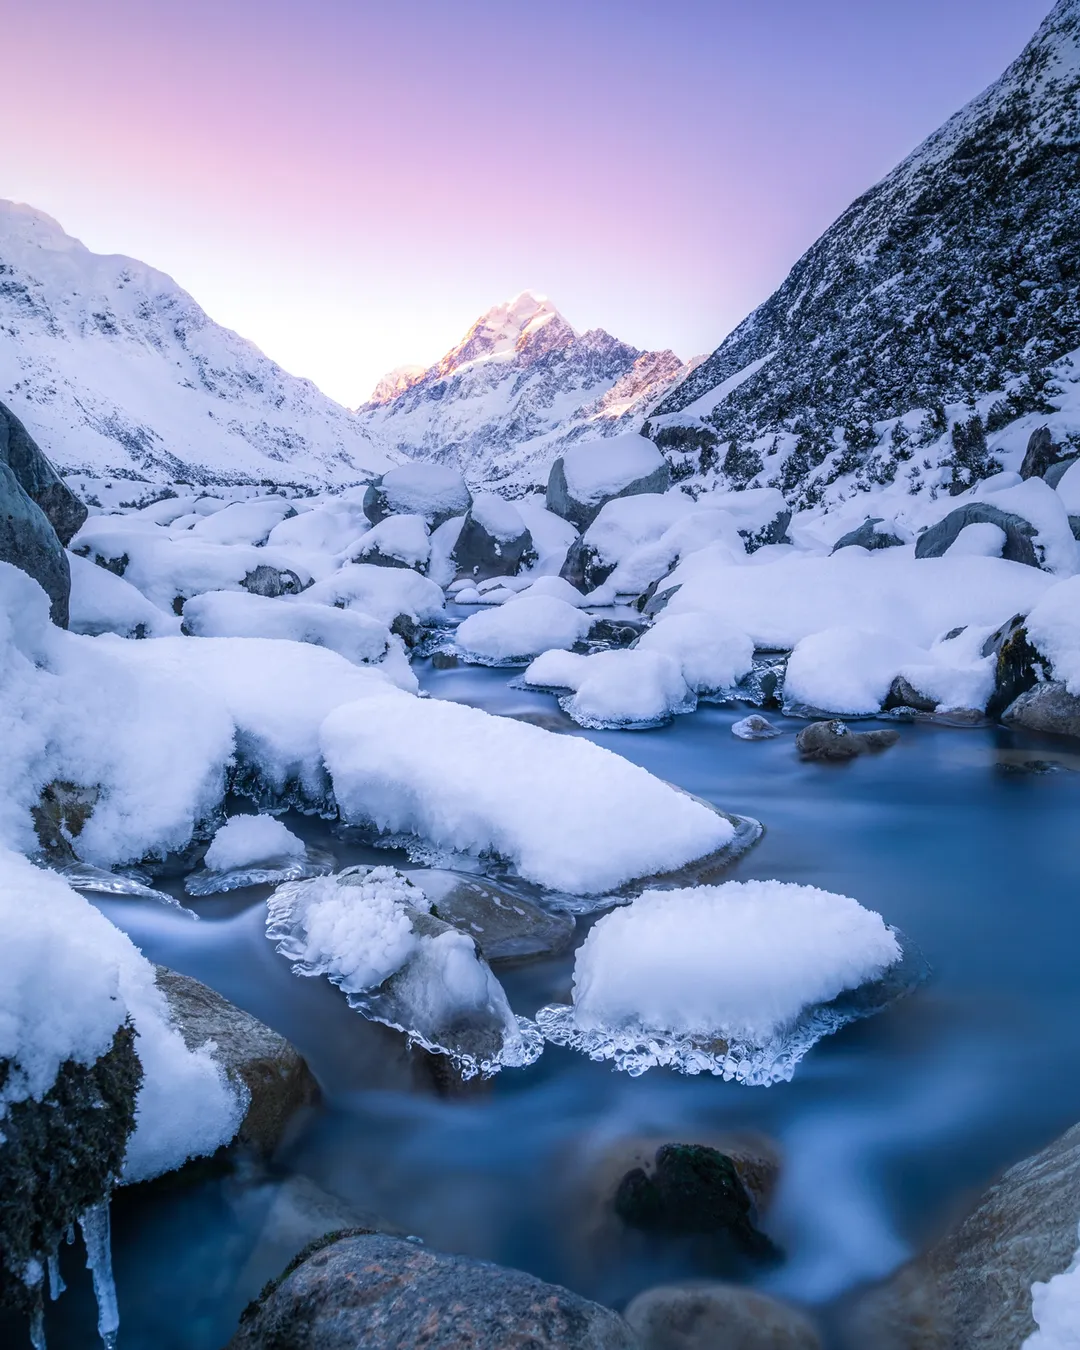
[(56, 1283), (69, 1236), (95, 1230), (37, 1327)]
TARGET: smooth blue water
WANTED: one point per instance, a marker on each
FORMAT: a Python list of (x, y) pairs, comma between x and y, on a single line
[(885, 1130)]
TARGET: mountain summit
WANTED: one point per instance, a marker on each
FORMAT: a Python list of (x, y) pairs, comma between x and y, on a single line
[(117, 371), (521, 383), (940, 299)]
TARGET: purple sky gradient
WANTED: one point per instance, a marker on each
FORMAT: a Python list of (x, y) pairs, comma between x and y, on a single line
[(350, 184)]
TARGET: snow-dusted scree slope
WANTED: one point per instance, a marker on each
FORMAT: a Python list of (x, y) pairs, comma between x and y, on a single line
[(520, 384), (119, 372), (943, 295)]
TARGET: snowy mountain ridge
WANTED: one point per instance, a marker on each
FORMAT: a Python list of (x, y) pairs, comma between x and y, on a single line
[(521, 383), (117, 371), (927, 329)]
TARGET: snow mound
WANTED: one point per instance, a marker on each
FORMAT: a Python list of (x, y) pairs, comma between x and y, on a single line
[(104, 603), (68, 980), (244, 522), (738, 980), (712, 656), (1054, 627), (381, 592), (627, 689), (403, 538), (564, 813), (370, 932), (244, 841), (521, 628)]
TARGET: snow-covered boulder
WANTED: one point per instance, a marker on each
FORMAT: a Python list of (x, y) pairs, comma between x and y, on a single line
[(628, 689), (351, 633), (1031, 514), (102, 602), (564, 813), (430, 490), (712, 657), (384, 593), (873, 533), (244, 522), (588, 475), (255, 851), (740, 979), (371, 932), (520, 629), (397, 541), (494, 540)]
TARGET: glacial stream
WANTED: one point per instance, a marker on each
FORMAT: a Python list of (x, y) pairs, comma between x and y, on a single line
[(886, 1129)]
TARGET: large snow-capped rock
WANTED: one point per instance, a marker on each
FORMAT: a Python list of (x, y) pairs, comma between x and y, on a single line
[(116, 371), (520, 385), (915, 342)]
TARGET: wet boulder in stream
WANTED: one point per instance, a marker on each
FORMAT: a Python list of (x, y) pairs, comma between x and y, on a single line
[(708, 1315), (836, 741)]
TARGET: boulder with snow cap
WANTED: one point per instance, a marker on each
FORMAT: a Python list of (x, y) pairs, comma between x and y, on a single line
[(1019, 533), (869, 536), (584, 569), (430, 490), (494, 540), (397, 541), (586, 476)]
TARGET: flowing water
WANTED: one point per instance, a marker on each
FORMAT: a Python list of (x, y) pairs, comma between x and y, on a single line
[(885, 1130)]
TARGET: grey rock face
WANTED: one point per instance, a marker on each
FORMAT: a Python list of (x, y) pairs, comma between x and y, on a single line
[(835, 740), (250, 1053), (479, 555), (903, 694), (972, 1290), (272, 581), (867, 537), (381, 1293), (617, 632), (58, 1157), (1057, 471), (1019, 533), (582, 514), (776, 532), (583, 567), (29, 542), (1041, 452), (714, 1316), (1046, 707), (38, 479), (505, 927)]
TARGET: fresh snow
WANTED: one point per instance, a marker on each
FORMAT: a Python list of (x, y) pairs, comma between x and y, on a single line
[(522, 627), (1054, 627), (598, 469), (244, 841)]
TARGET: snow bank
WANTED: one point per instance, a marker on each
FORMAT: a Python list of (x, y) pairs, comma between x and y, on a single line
[(382, 592), (244, 522), (246, 840), (104, 603), (849, 671), (719, 978), (567, 814), (780, 601), (68, 980), (521, 628), (713, 658), (352, 634), (598, 469), (1054, 627), (369, 931), (631, 688)]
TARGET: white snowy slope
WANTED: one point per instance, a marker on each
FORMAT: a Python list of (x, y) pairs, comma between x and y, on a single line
[(918, 343), (116, 371), (521, 384)]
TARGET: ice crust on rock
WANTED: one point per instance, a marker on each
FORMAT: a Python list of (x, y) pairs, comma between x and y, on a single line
[(370, 932), (526, 625), (564, 813), (739, 980)]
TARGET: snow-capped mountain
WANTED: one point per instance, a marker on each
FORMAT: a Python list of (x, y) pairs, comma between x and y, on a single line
[(117, 371), (919, 334), (520, 384)]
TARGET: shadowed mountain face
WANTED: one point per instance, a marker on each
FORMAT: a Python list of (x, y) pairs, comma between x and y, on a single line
[(520, 384), (116, 371), (956, 276)]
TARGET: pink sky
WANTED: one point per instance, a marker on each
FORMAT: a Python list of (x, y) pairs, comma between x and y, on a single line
[(351, 184)]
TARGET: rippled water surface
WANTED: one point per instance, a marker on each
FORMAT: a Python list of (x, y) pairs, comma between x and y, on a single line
[(885, 1130)]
